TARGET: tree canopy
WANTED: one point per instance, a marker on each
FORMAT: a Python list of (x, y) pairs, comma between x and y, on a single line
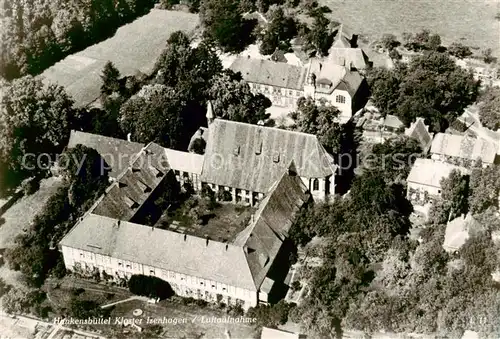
[(35, 120), (224, 23), (432, 86), (489, 110), (36, 34)]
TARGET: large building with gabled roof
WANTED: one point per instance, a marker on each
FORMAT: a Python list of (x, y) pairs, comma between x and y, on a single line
[(336, 80), (246, 160), (240, 272)]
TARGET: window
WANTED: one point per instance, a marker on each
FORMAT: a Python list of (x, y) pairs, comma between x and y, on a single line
[(340, 99), (185, 174), (128, 266), (81, 254), (290, 92), (176, 172), (120, 264), (213, 286), (439, 191), (151, 272), (201, 282), (315, 185)]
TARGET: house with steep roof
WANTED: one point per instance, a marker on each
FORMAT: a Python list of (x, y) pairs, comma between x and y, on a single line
[(242, 272), (336, 84), (419, 131), (424, 180), (117, 153), (463, 150), (344, 51), (246, 160), (282, 83)]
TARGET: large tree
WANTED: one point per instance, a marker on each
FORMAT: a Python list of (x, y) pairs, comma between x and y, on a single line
[(489, 110), (232, 99), (432, 86), (156, 113), (484, 188), (224, 23), (321, 120), (34, 120)]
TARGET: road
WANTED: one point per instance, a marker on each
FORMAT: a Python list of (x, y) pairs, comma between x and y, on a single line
[(22, 325)]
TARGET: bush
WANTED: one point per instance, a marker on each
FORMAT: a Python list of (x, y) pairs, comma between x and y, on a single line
[(2, 221), (224, 196), (82, 309), (149, 286), (30, 187), (77, 291)]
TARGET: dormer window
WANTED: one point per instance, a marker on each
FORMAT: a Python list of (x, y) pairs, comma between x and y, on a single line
[(236, 151), (145, 188), (276, 157), (130, 202), (157, 173)]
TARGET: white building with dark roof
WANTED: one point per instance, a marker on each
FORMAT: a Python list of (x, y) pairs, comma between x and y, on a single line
[(247, 159), (241, 272), (334, 81)]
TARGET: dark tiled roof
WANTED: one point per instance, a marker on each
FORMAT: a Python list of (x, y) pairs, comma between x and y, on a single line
[(253, 157), (268, 72), (336, 76), (272, 221), (132, 188), (116, 152)]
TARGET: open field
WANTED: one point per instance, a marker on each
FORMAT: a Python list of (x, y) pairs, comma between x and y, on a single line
[(471, 22), (20, 215)]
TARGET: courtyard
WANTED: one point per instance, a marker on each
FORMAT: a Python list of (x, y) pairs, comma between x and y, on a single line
[(220, 222)]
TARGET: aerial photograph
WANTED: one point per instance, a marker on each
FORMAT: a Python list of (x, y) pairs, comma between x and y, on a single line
[(250, 169)]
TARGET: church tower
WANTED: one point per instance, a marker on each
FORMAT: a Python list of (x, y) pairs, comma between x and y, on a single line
[(210, 113)]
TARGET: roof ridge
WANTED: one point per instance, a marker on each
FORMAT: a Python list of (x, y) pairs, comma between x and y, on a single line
[(267, 127)]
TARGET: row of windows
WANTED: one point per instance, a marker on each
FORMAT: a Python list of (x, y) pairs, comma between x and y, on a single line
[(340, 99), (274, 90)]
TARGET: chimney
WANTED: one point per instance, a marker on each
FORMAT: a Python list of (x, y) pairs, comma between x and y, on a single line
[(185, 236), (129, 137), (227, 246), (260, 123), (208, 240), (118, 222)]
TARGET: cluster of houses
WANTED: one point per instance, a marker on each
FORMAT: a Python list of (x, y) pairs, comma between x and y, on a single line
[(336, 80), (275, 170), (448, 152)]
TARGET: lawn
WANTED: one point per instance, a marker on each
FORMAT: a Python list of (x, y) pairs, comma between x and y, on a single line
[(222, 223), (180, 321), (471, 22), (134, 47)]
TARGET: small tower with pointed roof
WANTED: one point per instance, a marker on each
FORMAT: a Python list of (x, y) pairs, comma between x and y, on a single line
[(210, 113)]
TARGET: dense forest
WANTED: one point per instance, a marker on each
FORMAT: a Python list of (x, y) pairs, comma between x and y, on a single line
[(37, 34)]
